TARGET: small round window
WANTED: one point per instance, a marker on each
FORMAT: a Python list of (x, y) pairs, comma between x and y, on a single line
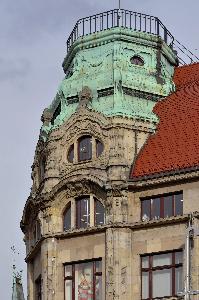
[(136, 60)]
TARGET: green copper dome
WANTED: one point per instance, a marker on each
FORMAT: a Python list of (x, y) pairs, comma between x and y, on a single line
[(124, 69)]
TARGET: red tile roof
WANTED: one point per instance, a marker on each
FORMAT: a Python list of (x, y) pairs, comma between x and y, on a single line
[(175, 145)]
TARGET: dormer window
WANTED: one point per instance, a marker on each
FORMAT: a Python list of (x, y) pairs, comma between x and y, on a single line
[(56, 113), (136, 60), (85, 149)]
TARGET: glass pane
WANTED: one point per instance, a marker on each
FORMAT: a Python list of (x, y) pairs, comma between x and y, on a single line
[(178, 258), (145, 262), (162, 260), (99, 213), (146, 209), (71, 154), (145, 285), (98, 266), (68, 290), (85, 148), (84, 281), (83, 213), (179, 204), (155, 208), (99, 148), (68, 270), (67, 219), (98, 288), (178, 280), (162, 283), (168, 206)]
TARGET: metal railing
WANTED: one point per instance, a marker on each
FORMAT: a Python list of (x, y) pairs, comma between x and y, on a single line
[(120, 18)]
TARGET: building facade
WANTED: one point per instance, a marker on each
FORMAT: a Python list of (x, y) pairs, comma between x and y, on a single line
[(114, 206)]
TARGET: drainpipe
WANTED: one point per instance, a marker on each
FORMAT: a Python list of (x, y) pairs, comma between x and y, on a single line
[(188, 257)]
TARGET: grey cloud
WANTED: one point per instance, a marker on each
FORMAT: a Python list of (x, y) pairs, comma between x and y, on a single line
[(13, 69)]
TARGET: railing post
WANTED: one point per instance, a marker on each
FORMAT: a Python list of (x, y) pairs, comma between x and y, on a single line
[(158, 26), (165, 35)]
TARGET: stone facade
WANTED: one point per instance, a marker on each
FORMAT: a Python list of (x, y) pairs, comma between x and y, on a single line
[(111, 101)]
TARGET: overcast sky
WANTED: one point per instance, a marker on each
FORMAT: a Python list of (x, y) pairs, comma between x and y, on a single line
[(32, 48)]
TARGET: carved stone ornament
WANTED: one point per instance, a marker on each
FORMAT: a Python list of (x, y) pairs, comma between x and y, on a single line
[(46, 117), (85, 96)]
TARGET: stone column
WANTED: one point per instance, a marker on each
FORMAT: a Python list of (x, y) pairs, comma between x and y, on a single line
[(49, 269), (118, 264), (195, 260), (30, 282)]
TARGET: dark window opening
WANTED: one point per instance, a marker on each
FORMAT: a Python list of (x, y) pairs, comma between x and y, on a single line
[(67, 218), (42, 168), (99, 148), (136, 60), (56, 113), (71, 153), (38, 288), (37, 231), (99, 213), (162, 206), (162, 275), (83, 212), (85, 148), (83, 280)]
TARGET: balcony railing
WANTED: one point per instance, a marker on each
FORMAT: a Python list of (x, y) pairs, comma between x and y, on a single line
[(120, 18)]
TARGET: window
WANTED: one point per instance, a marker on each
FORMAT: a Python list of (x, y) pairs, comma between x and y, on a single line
[(86, 149), (136, 60), (38, 288), (71, 154), (162, 275), (83, 281), (163, 206), (99, 148), (42, 168), (99, 213), (56, 113), (67, 218), (83, 209), (37, 231), (83, 212)]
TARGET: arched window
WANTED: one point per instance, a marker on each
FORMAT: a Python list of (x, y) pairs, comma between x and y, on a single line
[(71, 153), (67, 217), (83, 212), (85, 148), (99, 213), (99, 148), (136, 60)]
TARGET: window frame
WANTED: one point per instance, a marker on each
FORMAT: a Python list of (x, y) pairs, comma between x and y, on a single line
[(96, 150), (73, 279), (90, 148), (162, 205), (67, 207), (173, 266), (92, 218)]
